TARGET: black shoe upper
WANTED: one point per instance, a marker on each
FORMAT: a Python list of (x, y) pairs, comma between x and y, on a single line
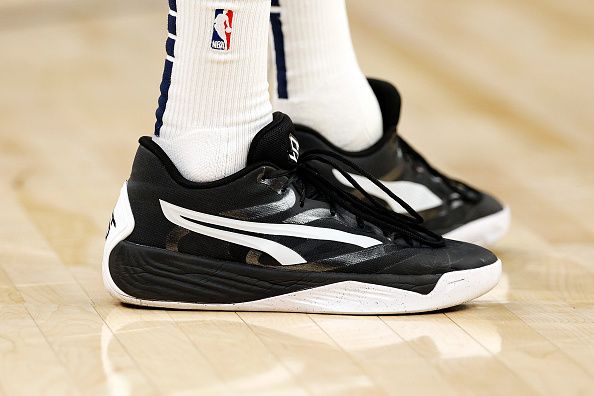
[(393, 159), (278, 187)]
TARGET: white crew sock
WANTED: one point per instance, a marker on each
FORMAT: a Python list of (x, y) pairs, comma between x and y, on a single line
[(325, 88), (214, 99)]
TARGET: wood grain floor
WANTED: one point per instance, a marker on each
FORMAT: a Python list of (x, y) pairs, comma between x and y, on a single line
[(497, 92)]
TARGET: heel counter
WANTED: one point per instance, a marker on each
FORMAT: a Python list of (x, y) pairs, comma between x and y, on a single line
[(151, 165), (121, 226)]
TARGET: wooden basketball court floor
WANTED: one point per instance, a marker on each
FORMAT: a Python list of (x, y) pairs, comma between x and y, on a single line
[(497, 92)]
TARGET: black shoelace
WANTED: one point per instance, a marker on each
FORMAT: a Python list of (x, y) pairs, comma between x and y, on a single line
[(465, 192), (310, 184)]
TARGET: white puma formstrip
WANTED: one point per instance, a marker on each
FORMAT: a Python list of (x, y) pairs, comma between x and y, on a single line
[(418, 196), (183, 217)]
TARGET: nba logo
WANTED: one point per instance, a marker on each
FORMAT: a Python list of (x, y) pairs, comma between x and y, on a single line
[(223, 28)]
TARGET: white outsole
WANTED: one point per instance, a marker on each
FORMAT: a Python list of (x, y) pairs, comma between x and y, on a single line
[(485, 231), (350, 297)]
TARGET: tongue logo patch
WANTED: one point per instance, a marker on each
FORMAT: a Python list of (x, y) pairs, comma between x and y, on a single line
[(222, 30), (294, 153)]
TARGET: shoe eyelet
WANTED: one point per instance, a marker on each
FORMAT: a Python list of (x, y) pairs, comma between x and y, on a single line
[(262, 179)]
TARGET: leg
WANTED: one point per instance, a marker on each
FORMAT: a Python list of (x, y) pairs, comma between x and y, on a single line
[(214, 94), (315, 75)]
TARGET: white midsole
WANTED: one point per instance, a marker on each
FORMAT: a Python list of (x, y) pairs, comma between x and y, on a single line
[(484, 231)]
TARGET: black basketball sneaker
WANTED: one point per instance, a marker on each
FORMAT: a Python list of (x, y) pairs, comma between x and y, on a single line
[(450, 208), (277, 236)]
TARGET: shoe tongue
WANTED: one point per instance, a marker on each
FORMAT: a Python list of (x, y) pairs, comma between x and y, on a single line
[(389, 100), (276, 143)]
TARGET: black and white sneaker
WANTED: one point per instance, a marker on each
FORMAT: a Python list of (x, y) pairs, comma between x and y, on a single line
[(276, 236), (450, 208)]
